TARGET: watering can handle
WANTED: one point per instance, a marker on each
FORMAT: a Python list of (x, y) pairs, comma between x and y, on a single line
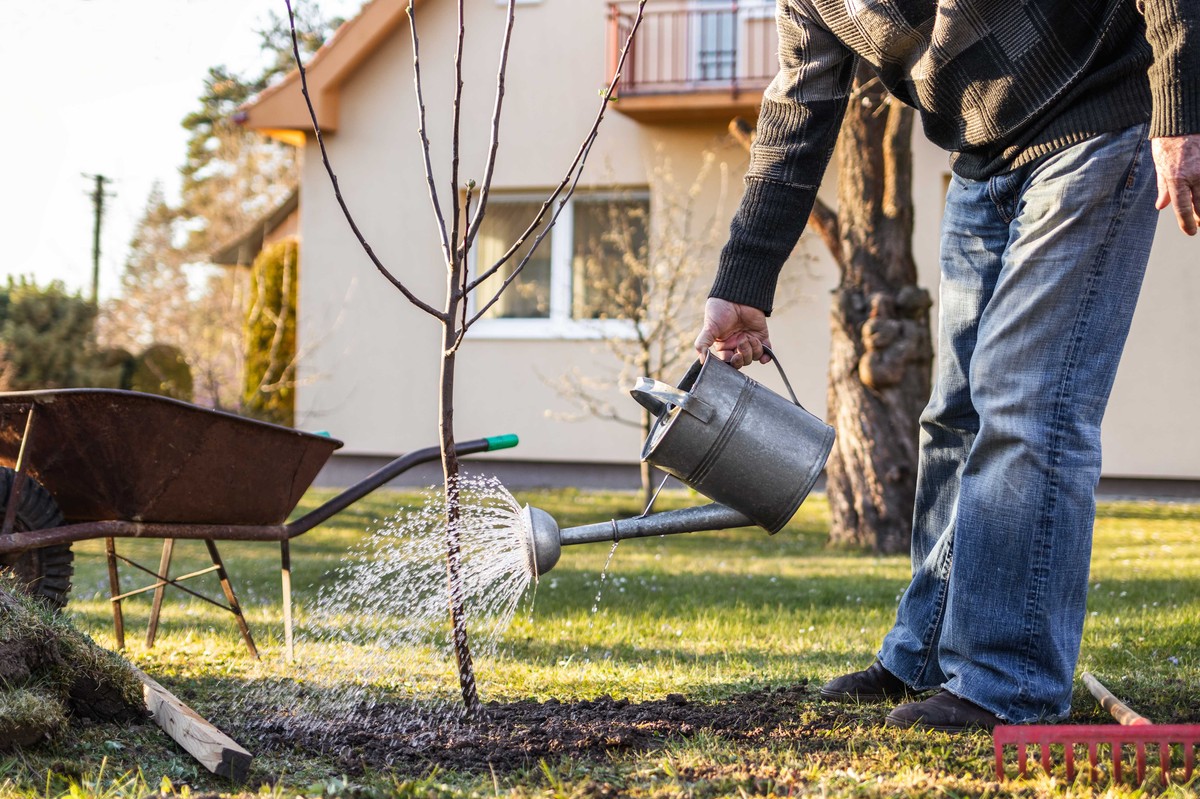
[(655, 395), (786, 382)]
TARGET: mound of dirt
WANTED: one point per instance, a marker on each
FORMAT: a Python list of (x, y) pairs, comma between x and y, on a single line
[(519, 734), (50, 672)]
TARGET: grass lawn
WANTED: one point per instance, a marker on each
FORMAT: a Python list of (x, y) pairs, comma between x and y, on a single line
[(709, 616)]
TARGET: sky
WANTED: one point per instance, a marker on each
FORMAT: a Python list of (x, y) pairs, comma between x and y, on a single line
[(100, 87)]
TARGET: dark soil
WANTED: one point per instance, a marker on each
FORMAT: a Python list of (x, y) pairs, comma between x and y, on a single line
[(100, 700), (20, 658), (520, 734)]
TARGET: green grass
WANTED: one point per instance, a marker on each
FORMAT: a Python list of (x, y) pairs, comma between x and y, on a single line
[(706, 615)]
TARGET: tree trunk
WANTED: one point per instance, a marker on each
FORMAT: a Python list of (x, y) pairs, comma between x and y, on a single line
[(450, 473), (880, 357)]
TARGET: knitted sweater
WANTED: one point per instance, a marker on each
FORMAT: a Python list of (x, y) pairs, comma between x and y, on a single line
[(998, 83)]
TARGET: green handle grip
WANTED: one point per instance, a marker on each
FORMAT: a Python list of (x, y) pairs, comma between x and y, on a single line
[(501, 442)]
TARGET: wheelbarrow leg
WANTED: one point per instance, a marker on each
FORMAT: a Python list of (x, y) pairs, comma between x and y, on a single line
[(232, 599), (285, 570), (114, 587), (164, 572)]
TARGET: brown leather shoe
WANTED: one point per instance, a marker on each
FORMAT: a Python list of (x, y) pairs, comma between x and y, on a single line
[(874, 684), (943, 711)]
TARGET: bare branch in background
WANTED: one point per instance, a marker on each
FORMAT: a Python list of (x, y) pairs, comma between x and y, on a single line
[(646, 266), (584, 392)]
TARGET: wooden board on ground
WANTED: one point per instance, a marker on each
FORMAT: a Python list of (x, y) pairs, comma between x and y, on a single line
[(215, 750)]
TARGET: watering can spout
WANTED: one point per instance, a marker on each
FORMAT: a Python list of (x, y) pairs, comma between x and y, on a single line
[(545, 540)]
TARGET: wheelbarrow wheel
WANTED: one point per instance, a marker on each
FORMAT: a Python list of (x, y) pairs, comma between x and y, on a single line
[(45, 573)]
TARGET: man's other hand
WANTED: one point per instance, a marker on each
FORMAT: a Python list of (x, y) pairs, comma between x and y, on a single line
[(1177, 161), (736, 333)]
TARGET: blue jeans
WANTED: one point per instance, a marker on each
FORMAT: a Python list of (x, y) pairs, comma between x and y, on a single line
[(1041, 269)]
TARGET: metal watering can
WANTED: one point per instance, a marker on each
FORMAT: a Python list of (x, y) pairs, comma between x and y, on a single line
[(753, 452)]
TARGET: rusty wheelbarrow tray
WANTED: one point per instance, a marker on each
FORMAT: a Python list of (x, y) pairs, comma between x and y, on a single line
[(121, 464)]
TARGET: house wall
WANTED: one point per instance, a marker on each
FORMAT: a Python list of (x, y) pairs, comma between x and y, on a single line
[(369, 361)]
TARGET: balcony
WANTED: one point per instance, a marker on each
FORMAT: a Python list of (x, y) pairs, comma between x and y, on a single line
[(693, 60)]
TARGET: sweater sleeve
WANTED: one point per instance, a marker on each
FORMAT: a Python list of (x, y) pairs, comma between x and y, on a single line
[(1173, 30), (798, 124)]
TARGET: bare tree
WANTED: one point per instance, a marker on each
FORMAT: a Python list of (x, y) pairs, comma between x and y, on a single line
[(881, 351), (152, 304), (167, 298), (647, 269), (457, 228)]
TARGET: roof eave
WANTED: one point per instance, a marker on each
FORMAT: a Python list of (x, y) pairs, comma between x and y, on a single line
[(242, 250), (281, 108)]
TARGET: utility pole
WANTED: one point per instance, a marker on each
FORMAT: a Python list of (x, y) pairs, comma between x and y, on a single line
[(98, 196)]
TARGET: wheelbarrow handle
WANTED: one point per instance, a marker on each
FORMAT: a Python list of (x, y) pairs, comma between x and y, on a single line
[(386, 473), (1119, 710)]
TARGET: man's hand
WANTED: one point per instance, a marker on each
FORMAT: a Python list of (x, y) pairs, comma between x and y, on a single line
[(736, 333), (1177, 161)]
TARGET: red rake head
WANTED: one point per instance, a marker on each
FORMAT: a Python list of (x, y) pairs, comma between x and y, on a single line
[(1162, 737)]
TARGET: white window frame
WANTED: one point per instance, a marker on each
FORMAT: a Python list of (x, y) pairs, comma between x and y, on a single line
[(560, 324)]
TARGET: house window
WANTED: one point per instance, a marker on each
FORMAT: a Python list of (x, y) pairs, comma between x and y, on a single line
[(583, 278), (529, 296), (609, 254), (716, 39), (729, 38)]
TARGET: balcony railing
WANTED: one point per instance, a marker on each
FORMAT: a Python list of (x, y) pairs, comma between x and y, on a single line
[(690, 46)]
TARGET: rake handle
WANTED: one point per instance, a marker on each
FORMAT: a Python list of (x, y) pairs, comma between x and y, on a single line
[(1119, 710)]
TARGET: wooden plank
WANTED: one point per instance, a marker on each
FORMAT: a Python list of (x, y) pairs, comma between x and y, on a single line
[(215, 750)]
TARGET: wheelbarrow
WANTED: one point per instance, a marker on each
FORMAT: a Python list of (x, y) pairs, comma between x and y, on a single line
[(81, 464)]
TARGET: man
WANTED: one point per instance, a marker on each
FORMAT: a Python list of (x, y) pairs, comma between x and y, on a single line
[(1062, 118)]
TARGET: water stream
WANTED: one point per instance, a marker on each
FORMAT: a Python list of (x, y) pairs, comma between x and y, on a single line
[(603, 576), (374, 646)]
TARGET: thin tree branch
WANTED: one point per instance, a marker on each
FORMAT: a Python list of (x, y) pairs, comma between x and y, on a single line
[(494, 144), (742, 132), (897, 157), (569, 182), (462, 287), (423, 130), (455, 138), (825, 221), (581, 391), (337, 192)]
